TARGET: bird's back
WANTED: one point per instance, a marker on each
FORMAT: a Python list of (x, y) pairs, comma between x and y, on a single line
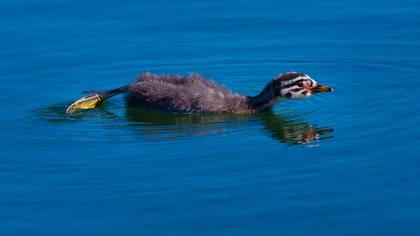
[(191, 93)]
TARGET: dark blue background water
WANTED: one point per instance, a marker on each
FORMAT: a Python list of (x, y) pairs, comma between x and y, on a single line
[(345, 163)]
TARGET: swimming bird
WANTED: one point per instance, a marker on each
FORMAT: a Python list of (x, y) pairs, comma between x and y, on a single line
[(193, 93)]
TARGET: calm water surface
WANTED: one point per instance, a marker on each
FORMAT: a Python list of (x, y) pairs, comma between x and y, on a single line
[(345, 163)]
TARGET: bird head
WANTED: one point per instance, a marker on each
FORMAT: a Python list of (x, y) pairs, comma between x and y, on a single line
[(295, 85)]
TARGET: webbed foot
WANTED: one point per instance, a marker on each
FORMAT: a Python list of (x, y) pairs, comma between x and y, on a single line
[(86, 102)]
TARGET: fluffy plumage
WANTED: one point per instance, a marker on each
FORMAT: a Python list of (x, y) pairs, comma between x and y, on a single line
[(188, 94)]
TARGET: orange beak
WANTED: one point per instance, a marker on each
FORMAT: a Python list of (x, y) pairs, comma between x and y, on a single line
[(321, 89)]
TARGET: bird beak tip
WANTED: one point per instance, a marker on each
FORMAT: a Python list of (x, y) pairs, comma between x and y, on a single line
[(322, 88)]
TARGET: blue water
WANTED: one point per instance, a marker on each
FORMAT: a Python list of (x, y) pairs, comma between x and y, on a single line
[(343, 163)]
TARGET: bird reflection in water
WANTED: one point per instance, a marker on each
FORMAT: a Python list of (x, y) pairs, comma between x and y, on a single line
[(164, 125), (293, 131)]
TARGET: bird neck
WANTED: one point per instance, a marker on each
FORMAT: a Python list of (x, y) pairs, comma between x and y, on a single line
[(266, 99)]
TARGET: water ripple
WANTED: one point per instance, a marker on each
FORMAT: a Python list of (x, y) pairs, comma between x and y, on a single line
[(351, 100)]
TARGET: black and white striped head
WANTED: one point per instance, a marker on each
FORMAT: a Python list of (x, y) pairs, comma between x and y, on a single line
[(295, 85)]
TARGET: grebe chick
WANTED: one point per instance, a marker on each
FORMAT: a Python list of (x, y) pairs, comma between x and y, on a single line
[(193, 93)]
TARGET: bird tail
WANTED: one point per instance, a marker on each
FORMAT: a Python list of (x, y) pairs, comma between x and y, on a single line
[(95, 98)]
